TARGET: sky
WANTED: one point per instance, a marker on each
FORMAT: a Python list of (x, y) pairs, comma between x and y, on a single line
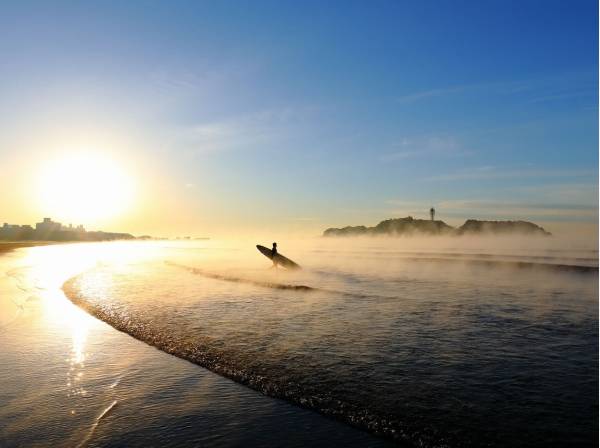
[(285, 116)]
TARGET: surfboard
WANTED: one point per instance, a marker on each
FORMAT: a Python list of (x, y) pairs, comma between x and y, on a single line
[(279, 259)]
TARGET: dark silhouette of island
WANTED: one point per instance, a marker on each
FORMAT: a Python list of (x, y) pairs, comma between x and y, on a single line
[(49, 230), (409, 226), (474, 226)]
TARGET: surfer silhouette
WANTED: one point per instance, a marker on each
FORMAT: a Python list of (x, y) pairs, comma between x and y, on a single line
[(273, 253), (277, 259)]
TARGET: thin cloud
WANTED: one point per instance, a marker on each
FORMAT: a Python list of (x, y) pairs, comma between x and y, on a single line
[(517, 210), (566, 96), (496, 209), (490, 173), (426, 146), (238, 132), (432, 93), (546, 88), (500, 87), (573, 193), (487, 204)]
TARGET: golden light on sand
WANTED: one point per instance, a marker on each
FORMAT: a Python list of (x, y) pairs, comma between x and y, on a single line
[(84, 186)]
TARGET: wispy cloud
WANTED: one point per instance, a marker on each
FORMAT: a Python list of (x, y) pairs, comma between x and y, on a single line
[(565, 96), (246, 131), (500, 87), (502, 206), (498, 209), (491, 173), (304, 219), (519, 210), (424, 94), (224, 135), (558, 87), (199, 77), (425, 146), (572, 193)]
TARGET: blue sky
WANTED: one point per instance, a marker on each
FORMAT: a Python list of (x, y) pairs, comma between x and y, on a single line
[(306, 114)]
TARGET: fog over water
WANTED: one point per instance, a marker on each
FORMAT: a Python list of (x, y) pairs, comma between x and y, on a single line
[(436, 341), (68, 379)]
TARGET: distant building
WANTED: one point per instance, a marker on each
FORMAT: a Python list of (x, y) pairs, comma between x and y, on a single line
[(70, 228), (15, 231), (48, 230), (12, 227), (47, 226)]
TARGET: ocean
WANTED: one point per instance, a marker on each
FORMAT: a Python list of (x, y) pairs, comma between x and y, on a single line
[(447, 342)]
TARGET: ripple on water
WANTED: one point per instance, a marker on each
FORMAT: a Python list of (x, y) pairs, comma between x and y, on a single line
[(486, 357)]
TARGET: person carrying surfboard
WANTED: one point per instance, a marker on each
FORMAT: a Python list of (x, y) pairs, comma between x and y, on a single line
[(273, 253), (277, 259)]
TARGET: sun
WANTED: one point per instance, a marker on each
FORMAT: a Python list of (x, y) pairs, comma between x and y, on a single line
[(84, 187)]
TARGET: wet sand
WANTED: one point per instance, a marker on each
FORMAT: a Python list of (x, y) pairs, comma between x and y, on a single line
[(6, 246)]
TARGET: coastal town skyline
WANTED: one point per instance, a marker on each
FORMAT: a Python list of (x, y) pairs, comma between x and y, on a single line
[(49, 230)]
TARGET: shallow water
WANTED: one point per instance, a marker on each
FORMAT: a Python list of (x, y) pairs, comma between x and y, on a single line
[(70, 380), (462, 348)]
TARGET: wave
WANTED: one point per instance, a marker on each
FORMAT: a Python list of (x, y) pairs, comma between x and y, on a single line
[(521, 265), (491, 256), (511, 264), (230, 278), (205, 353), (272, 285), (18, 276), (489, 260), (380, 365), (97, 421)]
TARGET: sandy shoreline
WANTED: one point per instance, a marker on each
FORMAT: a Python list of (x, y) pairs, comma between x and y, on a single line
[(6, 246)]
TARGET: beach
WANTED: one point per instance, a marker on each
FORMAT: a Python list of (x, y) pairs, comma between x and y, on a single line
[(68, 379), (372, 342), (6, 246)]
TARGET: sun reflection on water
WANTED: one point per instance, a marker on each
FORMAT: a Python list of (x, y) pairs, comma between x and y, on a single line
[(47, 268)]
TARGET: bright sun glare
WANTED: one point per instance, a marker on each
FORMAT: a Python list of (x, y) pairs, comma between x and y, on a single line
[(84, 187)]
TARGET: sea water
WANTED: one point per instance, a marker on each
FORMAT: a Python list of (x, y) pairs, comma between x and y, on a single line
[(68, 379), (465, 345)]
